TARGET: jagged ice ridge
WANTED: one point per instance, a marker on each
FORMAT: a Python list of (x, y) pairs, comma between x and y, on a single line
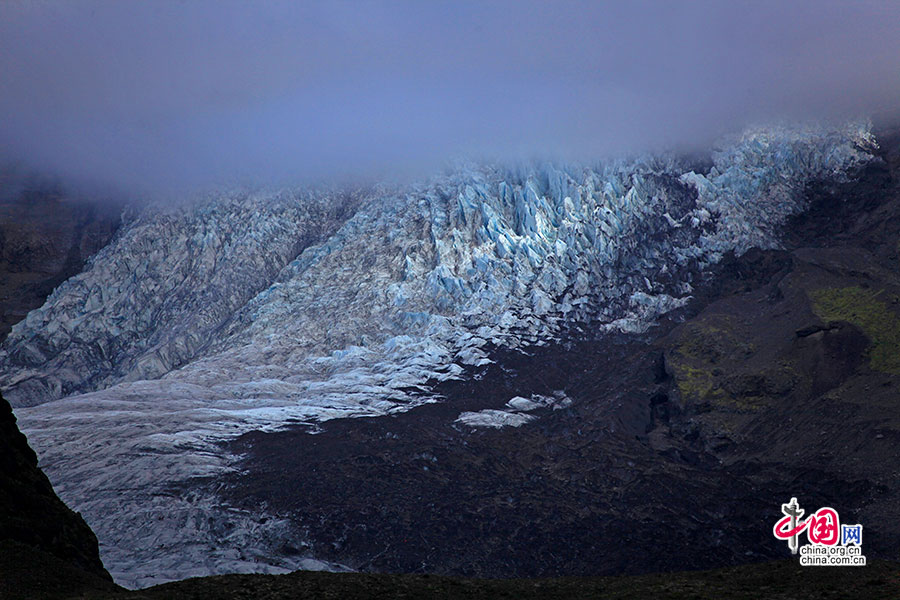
[(257, 310)]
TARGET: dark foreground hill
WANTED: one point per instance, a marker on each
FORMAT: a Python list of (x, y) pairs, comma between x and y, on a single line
[(36, 528), (35, 577)]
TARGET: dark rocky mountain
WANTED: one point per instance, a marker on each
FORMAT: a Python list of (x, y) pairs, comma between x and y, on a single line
[(46, 236), (41, 539)]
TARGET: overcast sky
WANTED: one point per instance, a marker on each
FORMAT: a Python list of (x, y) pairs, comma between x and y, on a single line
[(165, 96)]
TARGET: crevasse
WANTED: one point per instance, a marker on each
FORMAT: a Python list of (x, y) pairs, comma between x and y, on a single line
[(254, 310)]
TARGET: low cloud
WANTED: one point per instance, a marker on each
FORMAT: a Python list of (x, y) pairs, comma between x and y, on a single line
[(166, 97)]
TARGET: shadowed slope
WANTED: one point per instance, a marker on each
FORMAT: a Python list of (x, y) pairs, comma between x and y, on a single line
[(34, 522)]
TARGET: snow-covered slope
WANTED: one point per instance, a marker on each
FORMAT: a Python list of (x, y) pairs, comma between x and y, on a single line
[(258, 310)]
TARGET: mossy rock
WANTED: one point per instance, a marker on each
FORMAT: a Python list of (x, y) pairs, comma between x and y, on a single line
[(863, 308), (712, 340)]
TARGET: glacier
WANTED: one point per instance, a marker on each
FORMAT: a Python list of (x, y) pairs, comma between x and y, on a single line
[(254, 310)]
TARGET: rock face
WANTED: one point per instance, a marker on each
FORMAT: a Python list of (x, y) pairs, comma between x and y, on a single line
[(30, 512), (493, 295), (45, 238)]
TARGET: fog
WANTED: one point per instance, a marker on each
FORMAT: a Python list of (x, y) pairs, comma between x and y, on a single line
[(167, 97)]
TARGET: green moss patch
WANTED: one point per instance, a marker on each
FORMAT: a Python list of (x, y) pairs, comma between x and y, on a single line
[(863, 308)]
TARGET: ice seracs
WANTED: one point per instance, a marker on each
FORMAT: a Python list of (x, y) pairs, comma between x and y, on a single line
[(254, 310), (254, 294)]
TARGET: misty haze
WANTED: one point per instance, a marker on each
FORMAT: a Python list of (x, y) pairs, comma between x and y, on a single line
[(161, 96), (388, 299)]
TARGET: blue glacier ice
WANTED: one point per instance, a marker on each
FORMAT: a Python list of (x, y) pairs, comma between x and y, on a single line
[(254, 309)]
